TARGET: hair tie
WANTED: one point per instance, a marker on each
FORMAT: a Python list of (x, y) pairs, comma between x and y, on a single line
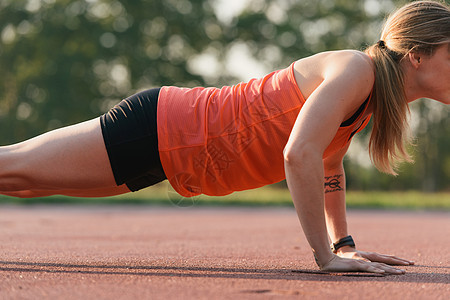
[(381, 44)]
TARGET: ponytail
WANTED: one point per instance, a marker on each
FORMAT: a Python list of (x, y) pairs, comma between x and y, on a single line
[(390, 111)]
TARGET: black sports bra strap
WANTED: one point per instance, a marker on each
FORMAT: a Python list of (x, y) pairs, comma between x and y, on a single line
[(355, 116)]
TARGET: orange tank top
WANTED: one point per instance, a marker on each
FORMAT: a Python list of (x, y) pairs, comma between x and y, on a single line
[(216, 141)]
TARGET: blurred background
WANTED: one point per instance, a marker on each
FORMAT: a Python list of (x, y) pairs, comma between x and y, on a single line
[(66, 61)]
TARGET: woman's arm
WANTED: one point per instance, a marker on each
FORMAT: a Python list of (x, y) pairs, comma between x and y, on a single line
[(334, 189), (335, 212), (347, 80), (304, 176)]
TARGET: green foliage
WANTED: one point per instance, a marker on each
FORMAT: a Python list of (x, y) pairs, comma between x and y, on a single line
[(65, 61), (266, 196), (430, 170)]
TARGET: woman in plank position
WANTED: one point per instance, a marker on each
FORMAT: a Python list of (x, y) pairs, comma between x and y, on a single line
[(296, 123)]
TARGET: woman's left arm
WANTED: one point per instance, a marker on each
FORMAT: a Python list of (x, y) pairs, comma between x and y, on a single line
[(335, 212), (334, 190)]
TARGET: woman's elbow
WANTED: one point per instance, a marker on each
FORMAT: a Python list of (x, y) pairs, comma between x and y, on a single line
[(302, 154), (289, 155)]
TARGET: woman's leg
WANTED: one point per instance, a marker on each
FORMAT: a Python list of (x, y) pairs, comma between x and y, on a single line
[(91, 193), (71, 160)]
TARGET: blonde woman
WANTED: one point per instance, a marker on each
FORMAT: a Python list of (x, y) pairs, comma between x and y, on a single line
[(296, 123)]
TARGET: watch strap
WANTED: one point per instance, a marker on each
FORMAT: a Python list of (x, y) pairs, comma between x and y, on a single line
[(346, 241)]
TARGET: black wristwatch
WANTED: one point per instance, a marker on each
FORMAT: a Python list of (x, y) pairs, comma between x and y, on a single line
[(346, 241)]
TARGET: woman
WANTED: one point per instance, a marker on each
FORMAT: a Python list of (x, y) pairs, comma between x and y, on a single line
[(296, 123)]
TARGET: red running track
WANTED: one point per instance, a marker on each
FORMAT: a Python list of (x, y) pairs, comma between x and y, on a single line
[(146, 252)]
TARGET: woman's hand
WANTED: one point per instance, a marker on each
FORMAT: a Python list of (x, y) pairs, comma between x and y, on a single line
[(350, 252), (342, 264), (349, 259)]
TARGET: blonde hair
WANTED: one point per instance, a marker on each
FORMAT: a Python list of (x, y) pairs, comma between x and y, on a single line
[(420, 26)]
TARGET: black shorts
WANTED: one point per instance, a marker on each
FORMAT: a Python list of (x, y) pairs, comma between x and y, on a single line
[(130, 134)]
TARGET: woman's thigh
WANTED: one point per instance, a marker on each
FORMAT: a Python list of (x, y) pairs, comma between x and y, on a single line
[(91, 193), (72, 157)]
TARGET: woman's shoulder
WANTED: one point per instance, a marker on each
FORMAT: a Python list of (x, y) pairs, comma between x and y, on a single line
[(348, 68), (354, 66), (348, 60)]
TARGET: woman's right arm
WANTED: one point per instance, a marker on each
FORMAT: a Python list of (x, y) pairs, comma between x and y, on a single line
[(347, 81), (304, 175)]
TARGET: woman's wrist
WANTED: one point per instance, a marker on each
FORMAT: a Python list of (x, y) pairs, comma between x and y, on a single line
[(345, 249), (323, 259), (343, 242)]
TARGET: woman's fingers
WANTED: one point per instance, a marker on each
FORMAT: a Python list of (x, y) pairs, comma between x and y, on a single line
[(338, 264), (387, 259), (380, 268)]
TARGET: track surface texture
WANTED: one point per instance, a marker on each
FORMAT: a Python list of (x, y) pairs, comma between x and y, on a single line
[(142, 252)]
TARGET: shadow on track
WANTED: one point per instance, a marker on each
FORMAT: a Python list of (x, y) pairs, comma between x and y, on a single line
[(220, 272)]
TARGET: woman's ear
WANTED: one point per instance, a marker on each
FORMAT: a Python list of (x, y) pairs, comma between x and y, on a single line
[(415, 59)]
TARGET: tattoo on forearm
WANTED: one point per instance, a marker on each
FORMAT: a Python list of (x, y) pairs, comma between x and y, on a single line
[(334, 183)]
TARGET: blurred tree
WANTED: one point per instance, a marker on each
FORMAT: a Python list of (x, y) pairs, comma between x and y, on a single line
[(431, 170), (64, 61)]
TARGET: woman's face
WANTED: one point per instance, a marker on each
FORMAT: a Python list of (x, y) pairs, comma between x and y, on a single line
[(434, 74)]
